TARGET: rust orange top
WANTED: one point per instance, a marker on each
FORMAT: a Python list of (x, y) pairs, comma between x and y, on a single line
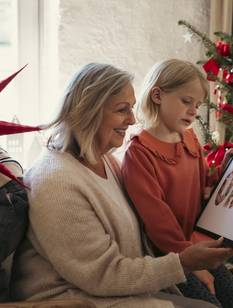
[(166, 183)]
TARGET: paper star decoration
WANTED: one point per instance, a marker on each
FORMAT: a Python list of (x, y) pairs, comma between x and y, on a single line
[(188, 37), (7, 128)]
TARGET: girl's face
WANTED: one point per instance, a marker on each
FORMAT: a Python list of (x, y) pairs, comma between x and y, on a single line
[(178, 109), (117, 116)]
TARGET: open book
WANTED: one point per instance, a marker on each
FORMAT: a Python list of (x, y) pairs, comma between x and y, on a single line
[(216, 218)]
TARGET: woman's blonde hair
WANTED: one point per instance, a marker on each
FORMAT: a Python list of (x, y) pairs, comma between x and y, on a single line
[(168, 75), (81, 113)]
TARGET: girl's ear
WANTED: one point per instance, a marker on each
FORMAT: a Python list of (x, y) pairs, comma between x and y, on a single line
[(155, 95)]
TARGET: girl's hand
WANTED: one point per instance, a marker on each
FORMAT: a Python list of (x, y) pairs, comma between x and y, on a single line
[(207, 279), (226, 158), (207, 192)]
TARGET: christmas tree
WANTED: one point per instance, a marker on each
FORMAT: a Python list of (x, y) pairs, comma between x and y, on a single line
[(219, 71)]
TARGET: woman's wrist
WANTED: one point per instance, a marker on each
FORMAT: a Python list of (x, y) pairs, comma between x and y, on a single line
[(184, 263)]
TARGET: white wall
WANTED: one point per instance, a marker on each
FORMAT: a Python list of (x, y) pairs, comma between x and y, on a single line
[(131, 34)]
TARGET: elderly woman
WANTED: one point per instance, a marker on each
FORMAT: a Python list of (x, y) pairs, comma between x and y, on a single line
[(84, 239)]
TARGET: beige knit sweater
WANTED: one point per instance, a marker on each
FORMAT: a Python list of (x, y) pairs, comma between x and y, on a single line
[(81, 243)]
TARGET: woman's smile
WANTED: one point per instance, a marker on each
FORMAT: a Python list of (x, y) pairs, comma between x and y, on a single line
[(120, 131)]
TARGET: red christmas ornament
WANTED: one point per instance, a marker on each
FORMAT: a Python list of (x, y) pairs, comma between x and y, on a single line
[(215, 157), (226, 107), (223, 49), (212, 68), (229, 78), (207, 147), (219, 47)]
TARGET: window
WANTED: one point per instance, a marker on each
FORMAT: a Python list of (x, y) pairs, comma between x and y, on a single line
[(28, 35), (8, 55)]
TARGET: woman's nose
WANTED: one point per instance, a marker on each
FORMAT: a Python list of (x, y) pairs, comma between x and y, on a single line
[(131, 119)]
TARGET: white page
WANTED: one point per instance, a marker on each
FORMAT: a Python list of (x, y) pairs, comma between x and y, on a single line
[(217, 216)]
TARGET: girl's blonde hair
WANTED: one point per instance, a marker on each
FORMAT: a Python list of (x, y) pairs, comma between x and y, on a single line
[(168, 75), (81, 113)]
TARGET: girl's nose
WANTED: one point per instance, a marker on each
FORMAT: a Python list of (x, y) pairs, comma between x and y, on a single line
[(192, 110)]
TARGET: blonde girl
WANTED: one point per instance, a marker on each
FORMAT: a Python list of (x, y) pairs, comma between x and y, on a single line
[(165, 173)]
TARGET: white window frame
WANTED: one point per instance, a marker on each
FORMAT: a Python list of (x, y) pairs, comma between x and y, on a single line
[(37, 46), (28, 52)]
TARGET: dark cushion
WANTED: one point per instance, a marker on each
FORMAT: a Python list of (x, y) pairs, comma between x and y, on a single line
[(13, 224)]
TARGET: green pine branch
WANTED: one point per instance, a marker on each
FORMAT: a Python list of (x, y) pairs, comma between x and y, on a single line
[(225, 62), (205, 39), (224, 36), (207, 134)]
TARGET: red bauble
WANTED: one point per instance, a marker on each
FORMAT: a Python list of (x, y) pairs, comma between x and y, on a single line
[(212, 68), (215, 156), (229, 78), (224, 74), (226, 107), (223, 49)]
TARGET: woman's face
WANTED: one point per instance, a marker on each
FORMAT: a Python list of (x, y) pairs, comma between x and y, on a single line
[(117, 116)]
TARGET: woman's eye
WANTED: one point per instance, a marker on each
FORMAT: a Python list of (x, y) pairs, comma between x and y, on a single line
[(125, 110), (186, 102)]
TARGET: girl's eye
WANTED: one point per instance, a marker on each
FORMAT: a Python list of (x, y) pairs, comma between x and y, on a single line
[(186, 102)]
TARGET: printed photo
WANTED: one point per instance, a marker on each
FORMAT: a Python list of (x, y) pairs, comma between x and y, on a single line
[(224, 195), (217, 216)]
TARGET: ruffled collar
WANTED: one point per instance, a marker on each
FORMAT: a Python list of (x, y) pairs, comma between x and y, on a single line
[(170, 152)]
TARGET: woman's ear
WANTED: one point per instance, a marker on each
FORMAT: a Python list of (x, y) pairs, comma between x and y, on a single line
[(155, 95)]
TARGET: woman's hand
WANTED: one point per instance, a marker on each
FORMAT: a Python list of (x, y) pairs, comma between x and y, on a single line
[(207, 279), (204, 255)]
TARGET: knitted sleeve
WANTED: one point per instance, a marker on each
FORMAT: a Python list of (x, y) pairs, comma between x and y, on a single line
[(73, 239)]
